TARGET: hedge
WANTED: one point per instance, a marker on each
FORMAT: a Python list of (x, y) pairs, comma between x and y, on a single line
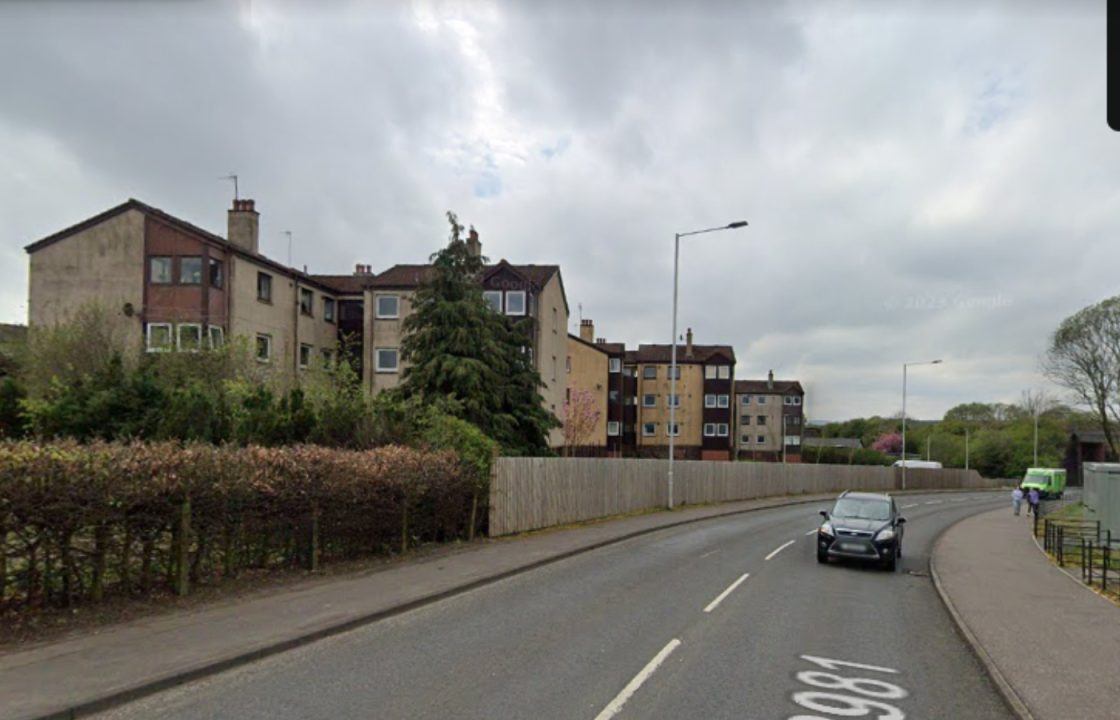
[(82, 522)]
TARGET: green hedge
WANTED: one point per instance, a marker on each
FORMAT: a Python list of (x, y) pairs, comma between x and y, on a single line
[(79, 523)]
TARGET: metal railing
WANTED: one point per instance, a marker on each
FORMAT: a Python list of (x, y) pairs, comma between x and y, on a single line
[(1084, 544)]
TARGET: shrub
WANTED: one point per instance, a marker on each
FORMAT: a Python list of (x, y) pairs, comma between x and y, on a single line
[(80, 522)]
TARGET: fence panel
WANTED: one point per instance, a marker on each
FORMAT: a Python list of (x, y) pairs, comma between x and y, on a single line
[(532, 493)]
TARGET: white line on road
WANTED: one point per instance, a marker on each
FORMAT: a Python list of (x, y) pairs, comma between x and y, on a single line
[(779, 549), (632, 687), (710, 552), (811, 532), (719, 598), (910, 505), (934, 502)]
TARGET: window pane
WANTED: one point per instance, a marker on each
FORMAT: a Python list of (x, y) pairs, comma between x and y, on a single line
[(161, 270), (615, 365), (304, 355), (216, 277), (493, 298), (515, 303), (649, 372), (724, 372), (159, 336), (190, 271), (328, 309), (264, 287), (388, 306), (306, 301), (387, 360), (264, 347), (190, 337), (217, 336)]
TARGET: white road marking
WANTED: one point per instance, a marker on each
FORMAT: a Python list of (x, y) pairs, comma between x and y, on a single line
[(710, 552), (615, 705), (811, 532), (934, 502), (719, 598), (779, 549), (910, 505)]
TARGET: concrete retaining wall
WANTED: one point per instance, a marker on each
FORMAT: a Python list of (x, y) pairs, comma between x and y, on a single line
[(532, 493)]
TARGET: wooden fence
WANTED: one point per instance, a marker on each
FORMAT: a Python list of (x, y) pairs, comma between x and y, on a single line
[(532, 493)]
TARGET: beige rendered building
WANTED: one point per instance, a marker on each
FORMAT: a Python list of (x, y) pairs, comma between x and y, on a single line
[(587, 369), (769, 418)]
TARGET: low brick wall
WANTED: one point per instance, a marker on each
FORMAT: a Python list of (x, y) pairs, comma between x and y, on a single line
[(532, 493)]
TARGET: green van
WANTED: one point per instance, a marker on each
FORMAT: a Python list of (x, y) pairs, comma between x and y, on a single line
[(1050, 482)]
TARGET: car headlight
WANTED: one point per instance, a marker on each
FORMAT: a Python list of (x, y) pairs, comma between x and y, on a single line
[(826, 529), (885, 534)]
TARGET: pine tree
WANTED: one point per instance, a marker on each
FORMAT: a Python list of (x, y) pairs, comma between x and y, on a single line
[(456, 348)]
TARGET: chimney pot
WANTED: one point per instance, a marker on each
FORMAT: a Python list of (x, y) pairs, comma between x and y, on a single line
[(474, 245), (770, 380), (688, 343)]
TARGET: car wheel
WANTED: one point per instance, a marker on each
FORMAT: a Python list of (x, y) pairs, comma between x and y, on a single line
[(822, 556)]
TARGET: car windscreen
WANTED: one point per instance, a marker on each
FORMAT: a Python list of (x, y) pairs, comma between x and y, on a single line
[(862, 509)]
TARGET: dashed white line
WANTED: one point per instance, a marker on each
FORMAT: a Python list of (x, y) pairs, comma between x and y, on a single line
[(811, 532), (615, 705), (910, 505), (719, 598), (710, 552), (934, 502), (778, 549)]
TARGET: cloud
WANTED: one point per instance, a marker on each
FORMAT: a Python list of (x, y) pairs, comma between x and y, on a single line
[(921, 180)]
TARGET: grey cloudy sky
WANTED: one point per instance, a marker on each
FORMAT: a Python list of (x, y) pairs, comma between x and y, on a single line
[(921, 179)]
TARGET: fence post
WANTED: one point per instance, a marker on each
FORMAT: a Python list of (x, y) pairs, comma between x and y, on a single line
[(1106, 562), (1045, 533), (1083, 559), (1098, 530), (183, 549), (1061, 544)]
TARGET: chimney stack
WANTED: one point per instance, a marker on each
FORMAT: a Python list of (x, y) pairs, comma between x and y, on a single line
[(474, 246), (770, 380), (360, 269), (586, 330), (243, 229), (688, 343)]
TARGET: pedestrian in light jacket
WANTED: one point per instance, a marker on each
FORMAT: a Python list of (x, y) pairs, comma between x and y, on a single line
[(1016, 499), (1032, 498)]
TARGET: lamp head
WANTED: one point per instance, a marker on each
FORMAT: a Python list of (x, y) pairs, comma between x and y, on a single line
[(737, 224)]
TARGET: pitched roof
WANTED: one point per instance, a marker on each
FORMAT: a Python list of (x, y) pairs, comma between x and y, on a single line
[(168, 218), (762, 387), (593, 346), (409, 276), (611, 348), (345, 284), (700, 354), (832, 442), (1089, 436)]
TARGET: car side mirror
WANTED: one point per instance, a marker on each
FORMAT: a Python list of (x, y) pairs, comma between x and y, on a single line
[(901, 521), (824, 514)]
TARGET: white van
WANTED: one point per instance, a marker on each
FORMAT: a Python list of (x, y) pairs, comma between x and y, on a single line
[(928, 464)]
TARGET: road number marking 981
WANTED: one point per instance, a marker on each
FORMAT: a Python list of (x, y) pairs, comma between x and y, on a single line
[(840, 696)]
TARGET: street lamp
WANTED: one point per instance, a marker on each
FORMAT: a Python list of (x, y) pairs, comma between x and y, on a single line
[(673, 362), (904, 366)]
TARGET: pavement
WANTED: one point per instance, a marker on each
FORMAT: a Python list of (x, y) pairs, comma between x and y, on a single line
[(1052, 644), (726, 617)]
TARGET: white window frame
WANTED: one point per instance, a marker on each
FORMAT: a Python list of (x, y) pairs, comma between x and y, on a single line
[(170, 337), (384, 368), (652, 403), (201, 270), (669, 400), (649, 429), (723, 401), (673, 429), (489, 295), (524, 302), (744, 399), (744, 419), (709, 429), (787, 399), (793, 440), (760, 439), (709, 401), (723, 372), (614, 365), (722, 430), (761, 399), (613, 429), (268, 348), (387, 316), (264, 298), (649, 372), (310, 351), (179, 337), (796, 399), (215, 331), (710, 372), (330, 309)]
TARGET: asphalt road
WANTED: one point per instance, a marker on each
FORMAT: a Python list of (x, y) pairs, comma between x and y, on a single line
[(661, 626)]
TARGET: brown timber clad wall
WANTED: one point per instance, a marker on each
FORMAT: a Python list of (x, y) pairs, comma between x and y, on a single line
[(532, 493)]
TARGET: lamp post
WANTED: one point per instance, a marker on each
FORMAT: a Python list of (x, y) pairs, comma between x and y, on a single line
[(673, 351), (904, 367)]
